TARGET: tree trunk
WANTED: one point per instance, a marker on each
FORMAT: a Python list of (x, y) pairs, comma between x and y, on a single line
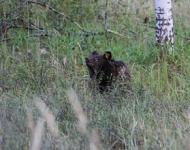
[(164, 22)]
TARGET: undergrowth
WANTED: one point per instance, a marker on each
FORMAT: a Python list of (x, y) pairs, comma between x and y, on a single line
[(153, 114)]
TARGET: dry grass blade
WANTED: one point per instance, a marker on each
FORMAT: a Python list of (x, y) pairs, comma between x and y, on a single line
[(82, 119), (95, 143), (37, 135), (30, 121), (93, 137), (48, 116)]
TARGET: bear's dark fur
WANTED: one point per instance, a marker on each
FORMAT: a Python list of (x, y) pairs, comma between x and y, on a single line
[(103, 69)]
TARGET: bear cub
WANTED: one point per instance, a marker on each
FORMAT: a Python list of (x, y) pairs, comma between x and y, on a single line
[(103, 69)]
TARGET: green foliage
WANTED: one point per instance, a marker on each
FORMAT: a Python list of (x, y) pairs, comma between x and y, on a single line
[(153, 114)]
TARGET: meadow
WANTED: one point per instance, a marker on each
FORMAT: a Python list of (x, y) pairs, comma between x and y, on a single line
[(45, 99)]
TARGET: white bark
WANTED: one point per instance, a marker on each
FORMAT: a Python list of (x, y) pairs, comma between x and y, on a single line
[(164, 22)]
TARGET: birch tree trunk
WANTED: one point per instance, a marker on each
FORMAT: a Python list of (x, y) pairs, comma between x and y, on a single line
[(164, 22)]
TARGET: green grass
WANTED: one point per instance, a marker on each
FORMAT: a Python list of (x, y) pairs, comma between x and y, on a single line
[(154, 114)]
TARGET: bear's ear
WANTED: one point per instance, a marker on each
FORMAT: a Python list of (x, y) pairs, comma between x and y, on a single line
[(108, 55), (95, 53)]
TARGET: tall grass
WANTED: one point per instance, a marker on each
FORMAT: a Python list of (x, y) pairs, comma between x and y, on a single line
[(38, 112)]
